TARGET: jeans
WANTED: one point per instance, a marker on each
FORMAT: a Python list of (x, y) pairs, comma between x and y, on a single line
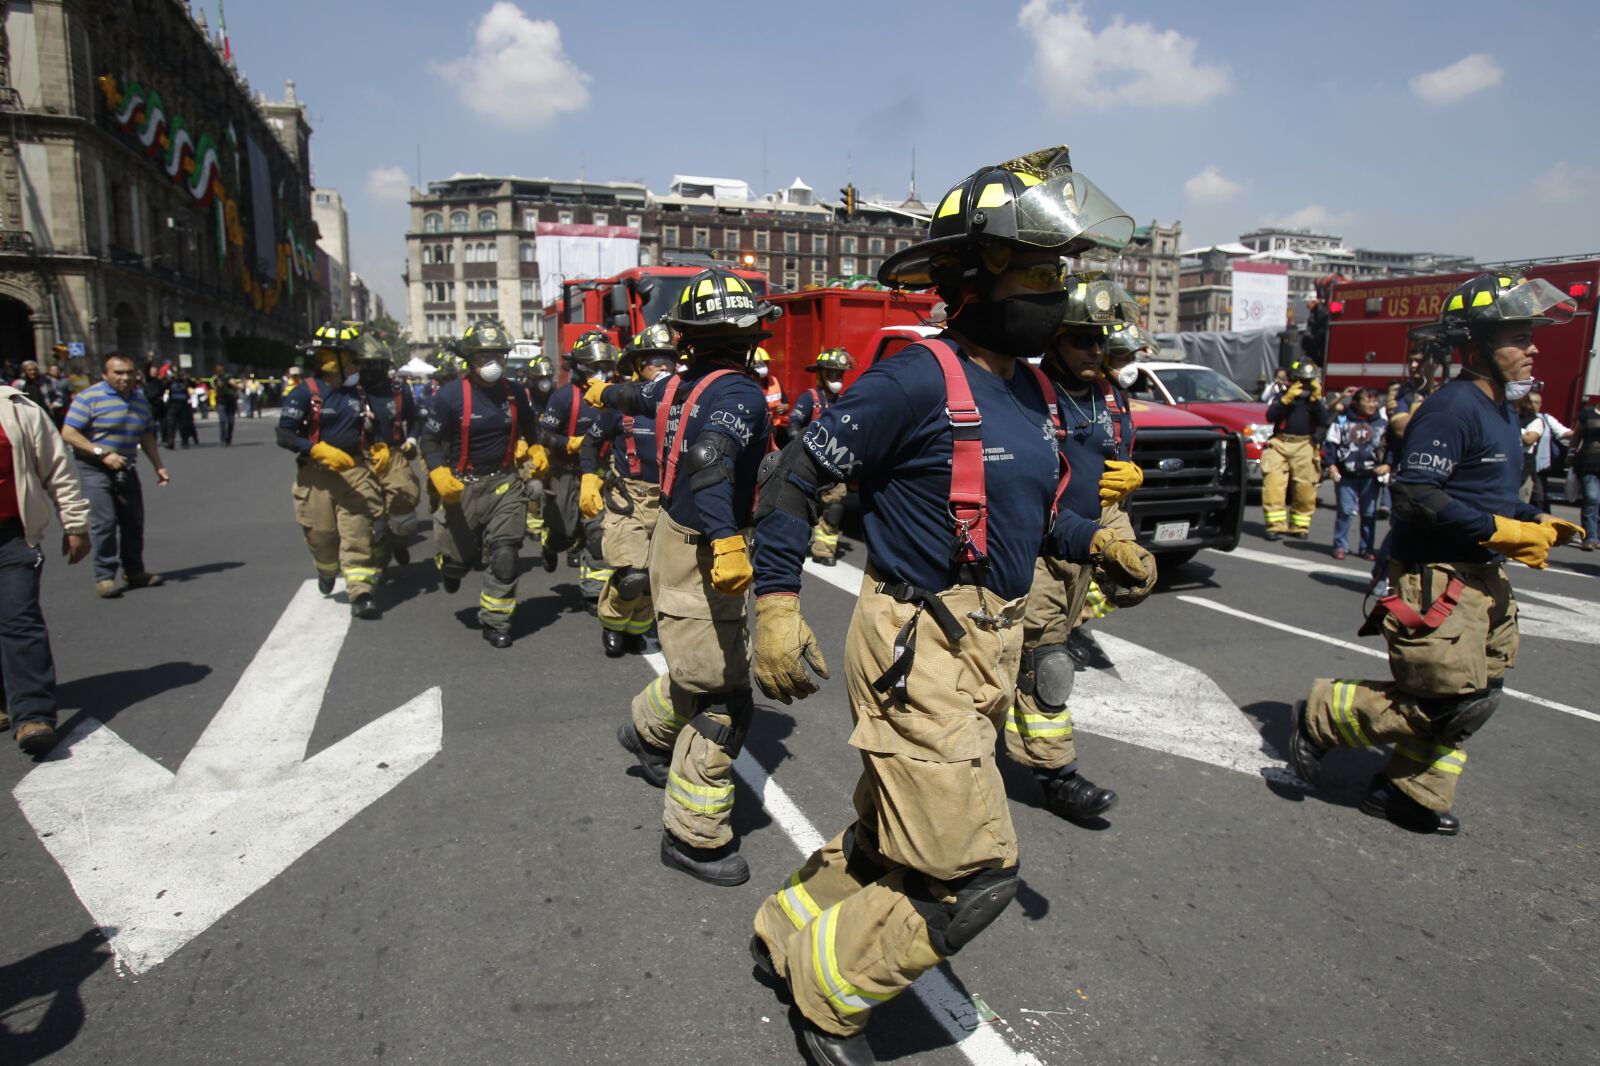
[(225, 420), (116, 519), (27, 669), (1591, 506), (1357, 494)]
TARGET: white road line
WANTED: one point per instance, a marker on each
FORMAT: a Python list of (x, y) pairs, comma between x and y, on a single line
[(983, 1045), (1374, 652)]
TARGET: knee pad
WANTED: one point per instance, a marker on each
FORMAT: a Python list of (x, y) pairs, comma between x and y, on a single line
[(503, 562), (1456, 719), (833, 514), (980, 898), (631, 582), (402, 525), (739, 706), (1047, 675)]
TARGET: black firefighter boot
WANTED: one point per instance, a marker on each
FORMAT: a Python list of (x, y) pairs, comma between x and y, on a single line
[(825, 1049), (653, 761), (365, 607), (614, 644), (1072, 796), (1384, 800), (715, 866), (1305, 755)]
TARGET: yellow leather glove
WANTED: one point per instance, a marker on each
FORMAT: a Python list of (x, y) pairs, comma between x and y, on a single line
[(730, 567), (1316, 391), (538, 461), (593, 392), (1119, 480), (1565, 531), (522, 450), (573, 444), (378, 456), (1294, 392), (785, 645), (589, 501), (1123, 561), (1528, 543), (331, 457), (446, 484)]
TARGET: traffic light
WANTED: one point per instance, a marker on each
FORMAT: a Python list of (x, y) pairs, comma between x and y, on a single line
[(848, 194)]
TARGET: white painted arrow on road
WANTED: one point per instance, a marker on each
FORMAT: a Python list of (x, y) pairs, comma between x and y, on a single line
[(157, 857)]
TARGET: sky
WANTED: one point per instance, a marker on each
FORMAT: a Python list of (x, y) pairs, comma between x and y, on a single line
[(1461, 127)]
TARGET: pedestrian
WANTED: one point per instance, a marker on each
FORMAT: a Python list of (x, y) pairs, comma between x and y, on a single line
[(1585, 460), (1356, 462), (36, 480), (1277, 386), (60, 394), (326, 424), (33, 384), (200, 399), (108, 425), (1289, 461), (712, 431), (226, 391), (1451, 619), (1542, 434), (952, 442)]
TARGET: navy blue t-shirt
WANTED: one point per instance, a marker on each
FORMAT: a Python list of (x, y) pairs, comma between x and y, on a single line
[(608, 428), (808, 407), (1088, 440), (382, 403), (1302, 417), (556, 420), (488, 433), (339, 422), (733, 406), (891, 433), (1471, 447)]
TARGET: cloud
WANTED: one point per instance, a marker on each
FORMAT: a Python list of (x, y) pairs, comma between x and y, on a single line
[(1459, 80), (1211, 187), (1565, 182), (1312, 217), (389, 184), (517, 74), (1125, 63)]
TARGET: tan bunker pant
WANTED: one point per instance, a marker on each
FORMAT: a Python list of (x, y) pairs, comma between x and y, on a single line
[(336, 512), (626, 545), (890, 896), (707, 686), (1289, 458), (485, 524), (825, 536), (1468, 653)]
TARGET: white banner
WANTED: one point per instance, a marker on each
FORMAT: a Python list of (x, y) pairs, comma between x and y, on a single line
[(566, 251), (1260, 295)]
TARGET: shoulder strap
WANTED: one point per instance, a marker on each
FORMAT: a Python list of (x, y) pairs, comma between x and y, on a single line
[(630, 450), (511, 434), (312, 386), (577, 404), (816, 404), (662, 410), (669, 472), (1047, 392), (466, 421), (968, 505), (1124, 427)]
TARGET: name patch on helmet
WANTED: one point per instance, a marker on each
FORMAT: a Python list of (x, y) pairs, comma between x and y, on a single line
[(733, 301)]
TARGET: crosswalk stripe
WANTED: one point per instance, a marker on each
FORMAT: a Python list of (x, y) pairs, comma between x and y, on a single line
[(1213, 605)]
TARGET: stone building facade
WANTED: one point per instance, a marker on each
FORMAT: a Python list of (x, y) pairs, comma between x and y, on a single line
[(144, 193)]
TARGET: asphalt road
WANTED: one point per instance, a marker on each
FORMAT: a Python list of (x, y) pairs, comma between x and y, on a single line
[(504, 902)]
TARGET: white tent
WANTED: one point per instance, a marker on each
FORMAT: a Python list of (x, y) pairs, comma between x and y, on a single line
[(417, 368)]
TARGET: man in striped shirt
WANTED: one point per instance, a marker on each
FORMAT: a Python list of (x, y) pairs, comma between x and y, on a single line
[(108, 423)]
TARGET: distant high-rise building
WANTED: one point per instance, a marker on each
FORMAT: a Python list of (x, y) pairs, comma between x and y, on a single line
[(333, 227), (1148, 268)]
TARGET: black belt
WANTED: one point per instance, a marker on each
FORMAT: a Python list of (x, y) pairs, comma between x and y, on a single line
[(470, 475), (905, 641)]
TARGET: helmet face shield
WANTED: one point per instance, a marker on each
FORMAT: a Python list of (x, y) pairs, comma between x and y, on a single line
[(1069, 213), (1129, 340), (1535, 300)]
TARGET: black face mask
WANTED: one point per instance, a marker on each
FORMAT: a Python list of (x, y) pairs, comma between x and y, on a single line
[(1020, 326)]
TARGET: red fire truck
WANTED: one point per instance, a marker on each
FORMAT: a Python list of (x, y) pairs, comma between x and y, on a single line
[(1369, 322)]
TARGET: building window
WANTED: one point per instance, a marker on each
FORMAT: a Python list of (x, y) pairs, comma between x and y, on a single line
[(427, 255), (764, 264), (433, 222), (761, 240), (791, 280), (530, 219), (527, 292), (731, 239), (635, 222), (873, 265), (487, 220), (819, 267), (875, 245), (847, 265), (530, 325), (790, 264), (444, 253), (901, 245), (847, 245), (525, 251), (601, 218), (702, 237), (669, 236), (458, 222), (819, 244), (564, 217), (791, 242)]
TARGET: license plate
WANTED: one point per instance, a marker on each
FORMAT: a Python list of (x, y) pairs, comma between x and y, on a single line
[(1171, 532)]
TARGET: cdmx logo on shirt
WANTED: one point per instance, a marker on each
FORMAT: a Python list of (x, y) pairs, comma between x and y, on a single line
[(828, 449)]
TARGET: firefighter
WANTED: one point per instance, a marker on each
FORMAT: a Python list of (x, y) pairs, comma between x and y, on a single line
[(477, 430), (711, 433), (1096, 437), (1289, 462), (540, 382), (934, 647), (777, 401), (564, 425), (327, 425), (830, 368), (628, 496), (1451, 618), (396, 422)]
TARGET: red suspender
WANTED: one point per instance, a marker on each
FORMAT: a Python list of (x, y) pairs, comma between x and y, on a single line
[(968, 500), (630, 452), (817, 406), (397, 428), (466, 422), (669, 467), (1048, 392), (316, 409), (572, 419)]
